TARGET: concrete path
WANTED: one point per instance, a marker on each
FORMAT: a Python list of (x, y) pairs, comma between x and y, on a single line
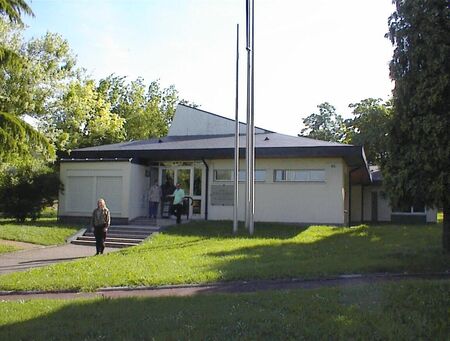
[(224, 287), (44, 255)]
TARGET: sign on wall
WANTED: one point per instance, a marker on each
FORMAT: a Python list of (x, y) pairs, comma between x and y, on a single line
[(222, 195)]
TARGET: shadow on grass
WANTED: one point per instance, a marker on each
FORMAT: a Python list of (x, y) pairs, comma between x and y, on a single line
[(314, 251), (224, 229), (413, 311)]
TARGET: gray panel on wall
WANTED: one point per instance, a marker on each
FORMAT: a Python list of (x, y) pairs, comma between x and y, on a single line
[(222, 195)]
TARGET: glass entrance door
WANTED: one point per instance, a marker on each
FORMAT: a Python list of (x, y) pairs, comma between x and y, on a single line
[(191, 181)]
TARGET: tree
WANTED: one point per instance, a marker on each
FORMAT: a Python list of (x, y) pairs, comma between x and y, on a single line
[(19, 139), (147, 111), (369, 127), (84, 118), (327, 125), (416, 169), (13, 9), (26, 188)]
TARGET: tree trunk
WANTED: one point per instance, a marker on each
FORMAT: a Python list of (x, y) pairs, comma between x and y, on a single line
[(446, 224)]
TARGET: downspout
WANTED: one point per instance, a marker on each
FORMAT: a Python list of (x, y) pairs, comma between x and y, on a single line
[(207, 188)]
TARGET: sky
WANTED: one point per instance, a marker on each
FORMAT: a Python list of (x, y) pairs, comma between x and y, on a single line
[(306, 52)]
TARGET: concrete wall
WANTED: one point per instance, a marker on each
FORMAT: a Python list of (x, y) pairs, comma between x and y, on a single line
[(300, 202), (191, 121), (85, 182)]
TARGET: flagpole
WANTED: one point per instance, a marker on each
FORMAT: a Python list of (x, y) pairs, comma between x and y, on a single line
[(248, 132), (252, 128), (250, 147), (236, 141)]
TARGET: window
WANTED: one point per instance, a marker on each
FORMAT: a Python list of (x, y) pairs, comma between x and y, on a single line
[(405, 208), (228, 175), (299, 175), (223, 175), (260, 175)]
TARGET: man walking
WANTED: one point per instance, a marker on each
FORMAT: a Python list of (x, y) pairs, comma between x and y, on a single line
[(178, 196)]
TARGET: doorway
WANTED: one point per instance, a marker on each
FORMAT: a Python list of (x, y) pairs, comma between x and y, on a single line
[(192, 182), (374, 206)]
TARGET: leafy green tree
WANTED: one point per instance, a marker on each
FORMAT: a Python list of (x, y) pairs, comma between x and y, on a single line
[(327, 125), (47, 66), (84, 118), (369, 127), (416, 169), (147, 111), (26, 188)]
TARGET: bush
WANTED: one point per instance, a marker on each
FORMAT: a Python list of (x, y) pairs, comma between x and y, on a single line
[(26, 188)]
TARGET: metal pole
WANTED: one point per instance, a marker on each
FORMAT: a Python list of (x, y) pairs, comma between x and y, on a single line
[(236, 141), (248, 130), (252, 129)]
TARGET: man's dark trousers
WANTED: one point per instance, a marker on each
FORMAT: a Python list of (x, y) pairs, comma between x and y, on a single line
[(178, 208)]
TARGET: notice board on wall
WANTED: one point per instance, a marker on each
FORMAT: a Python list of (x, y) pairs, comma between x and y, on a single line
[(222, 195)]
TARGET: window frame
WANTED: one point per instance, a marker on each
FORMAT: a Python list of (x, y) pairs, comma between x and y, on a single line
[(284, 175), (241, 176)]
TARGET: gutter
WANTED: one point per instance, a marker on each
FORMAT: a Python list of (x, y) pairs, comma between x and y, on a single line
[(207, 188)]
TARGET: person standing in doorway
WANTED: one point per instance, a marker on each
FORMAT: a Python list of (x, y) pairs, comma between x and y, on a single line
[(178, 196), (101, 219), (154, 197)]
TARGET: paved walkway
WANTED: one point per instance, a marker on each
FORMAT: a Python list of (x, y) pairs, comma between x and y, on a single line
[(225, 287), (44, 255)]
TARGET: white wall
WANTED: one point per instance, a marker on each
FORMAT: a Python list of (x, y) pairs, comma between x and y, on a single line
[(85, 182), (301, 202), (138, 188), (191, 121)]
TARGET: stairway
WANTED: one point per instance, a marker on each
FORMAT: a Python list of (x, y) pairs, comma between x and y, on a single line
[(119, 236)]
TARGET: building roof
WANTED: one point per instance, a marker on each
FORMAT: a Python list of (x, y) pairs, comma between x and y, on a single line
[(268, 144)]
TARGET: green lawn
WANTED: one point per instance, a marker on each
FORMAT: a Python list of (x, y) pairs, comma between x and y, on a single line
[(44, 231), (7, 248), (207, 252), (405, 310)]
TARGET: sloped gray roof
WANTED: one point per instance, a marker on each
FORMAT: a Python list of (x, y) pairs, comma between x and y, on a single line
[(209, 147)]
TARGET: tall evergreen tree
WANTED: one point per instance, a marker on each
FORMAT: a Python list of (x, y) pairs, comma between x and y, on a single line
[(416, 169)]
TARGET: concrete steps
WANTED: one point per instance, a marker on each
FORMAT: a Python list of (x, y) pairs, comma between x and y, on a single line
[(119, 236)]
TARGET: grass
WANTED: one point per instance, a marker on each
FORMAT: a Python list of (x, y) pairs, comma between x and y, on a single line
[(406, 310), (205, 252), (8, 248), (44, 231)]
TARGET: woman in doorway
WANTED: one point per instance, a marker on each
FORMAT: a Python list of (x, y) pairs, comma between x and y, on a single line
[(101, 219)]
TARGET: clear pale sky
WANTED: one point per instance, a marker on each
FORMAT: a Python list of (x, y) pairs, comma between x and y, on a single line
[(306, 52)]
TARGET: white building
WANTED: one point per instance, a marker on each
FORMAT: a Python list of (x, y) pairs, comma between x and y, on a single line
[(298, 180)]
